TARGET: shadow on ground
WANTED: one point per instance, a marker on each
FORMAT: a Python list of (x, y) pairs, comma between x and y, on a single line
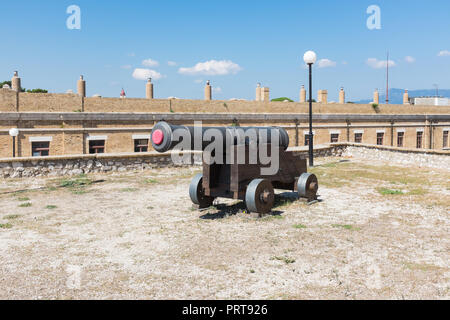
[(225, 210)]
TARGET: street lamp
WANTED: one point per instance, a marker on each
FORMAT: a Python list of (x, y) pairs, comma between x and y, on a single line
[(310, 58), (14, 132)]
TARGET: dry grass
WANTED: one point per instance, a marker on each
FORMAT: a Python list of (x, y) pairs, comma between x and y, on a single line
[(135, 235), (422, 185)]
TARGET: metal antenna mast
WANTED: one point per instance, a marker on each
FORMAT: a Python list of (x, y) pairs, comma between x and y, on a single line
[(437, 89), (387, 79)]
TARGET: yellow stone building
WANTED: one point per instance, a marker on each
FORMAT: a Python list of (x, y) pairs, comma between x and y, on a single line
[(69, 124)]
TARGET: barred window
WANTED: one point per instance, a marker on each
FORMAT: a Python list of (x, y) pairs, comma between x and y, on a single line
[(334, 137), (445, 139), (40, 149), (96, 146), (400, 139), (380, 138), (419, 140), (140, 145)]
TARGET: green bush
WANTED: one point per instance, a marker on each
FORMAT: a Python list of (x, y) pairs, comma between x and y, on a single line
[(375, 107), (37, 91), (282, 99)]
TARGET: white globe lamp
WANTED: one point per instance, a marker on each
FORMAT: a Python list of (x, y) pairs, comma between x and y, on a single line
[(14, 132), (310, 57)]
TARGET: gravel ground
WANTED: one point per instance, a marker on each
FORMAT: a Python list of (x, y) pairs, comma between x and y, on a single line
[(136, 236)]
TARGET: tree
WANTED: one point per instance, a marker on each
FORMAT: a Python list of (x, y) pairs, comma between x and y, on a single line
[(5, 82), (37, 91), (23, 89)]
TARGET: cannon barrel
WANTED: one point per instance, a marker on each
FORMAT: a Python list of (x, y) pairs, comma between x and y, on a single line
[(163, 139)]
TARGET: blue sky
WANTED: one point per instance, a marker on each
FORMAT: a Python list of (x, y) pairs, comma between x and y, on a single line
[(250, 42)]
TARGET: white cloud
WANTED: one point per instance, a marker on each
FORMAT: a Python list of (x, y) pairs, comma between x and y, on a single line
[(212, 68), (172, 63), (217, 89), (127, 66), (144, 74), (325, 63), (132, 54), (378, 64), (198, 81), (150, 63), (410, 59), (444, 53)]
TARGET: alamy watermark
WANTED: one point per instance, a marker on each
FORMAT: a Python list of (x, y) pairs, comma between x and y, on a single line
[(73, 277), (229, 146), (374, 20), (73, 22)]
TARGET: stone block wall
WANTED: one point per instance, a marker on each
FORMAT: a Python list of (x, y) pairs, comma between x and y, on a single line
[(52, 102), (126, 105), (8, 100), (83, 164), (430, 158), (49, 102)]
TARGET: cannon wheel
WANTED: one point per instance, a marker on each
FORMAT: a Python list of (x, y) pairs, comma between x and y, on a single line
[(196, 192), (307, 186), (259, 196)]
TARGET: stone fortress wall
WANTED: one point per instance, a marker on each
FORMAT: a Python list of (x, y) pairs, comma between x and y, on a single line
[(70, 121), (11, 101), (96, 163)]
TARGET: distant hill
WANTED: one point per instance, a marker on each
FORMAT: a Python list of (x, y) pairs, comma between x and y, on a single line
[(396, 95)]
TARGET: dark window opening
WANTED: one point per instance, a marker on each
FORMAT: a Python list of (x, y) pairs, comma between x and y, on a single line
[(380, 137), (419, 140), (40, 149), (307, 139), (445, 139), (358, 137), (334, 137), (400, 138), (140, 145), (96, 146)]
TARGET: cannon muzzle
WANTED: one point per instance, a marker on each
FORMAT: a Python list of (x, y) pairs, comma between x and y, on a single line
[(166, 136)]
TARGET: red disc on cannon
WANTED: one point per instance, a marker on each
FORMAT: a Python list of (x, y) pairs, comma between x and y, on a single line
[(157, 137)]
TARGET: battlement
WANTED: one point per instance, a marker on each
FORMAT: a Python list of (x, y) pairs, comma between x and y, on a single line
[(12, 101)]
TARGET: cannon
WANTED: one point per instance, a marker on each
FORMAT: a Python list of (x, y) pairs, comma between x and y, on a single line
[(234, 171)]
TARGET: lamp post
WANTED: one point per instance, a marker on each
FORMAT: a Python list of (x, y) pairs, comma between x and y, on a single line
[(310, 58), (14, 132)]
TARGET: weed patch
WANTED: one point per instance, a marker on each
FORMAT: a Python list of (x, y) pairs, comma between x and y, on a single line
[(385, 191), (80, 180), (25, 205), (12, 216), (346, 226), (284, 259)]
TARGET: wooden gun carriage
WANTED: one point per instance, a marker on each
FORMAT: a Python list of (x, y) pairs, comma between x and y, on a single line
[(236, 179)]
